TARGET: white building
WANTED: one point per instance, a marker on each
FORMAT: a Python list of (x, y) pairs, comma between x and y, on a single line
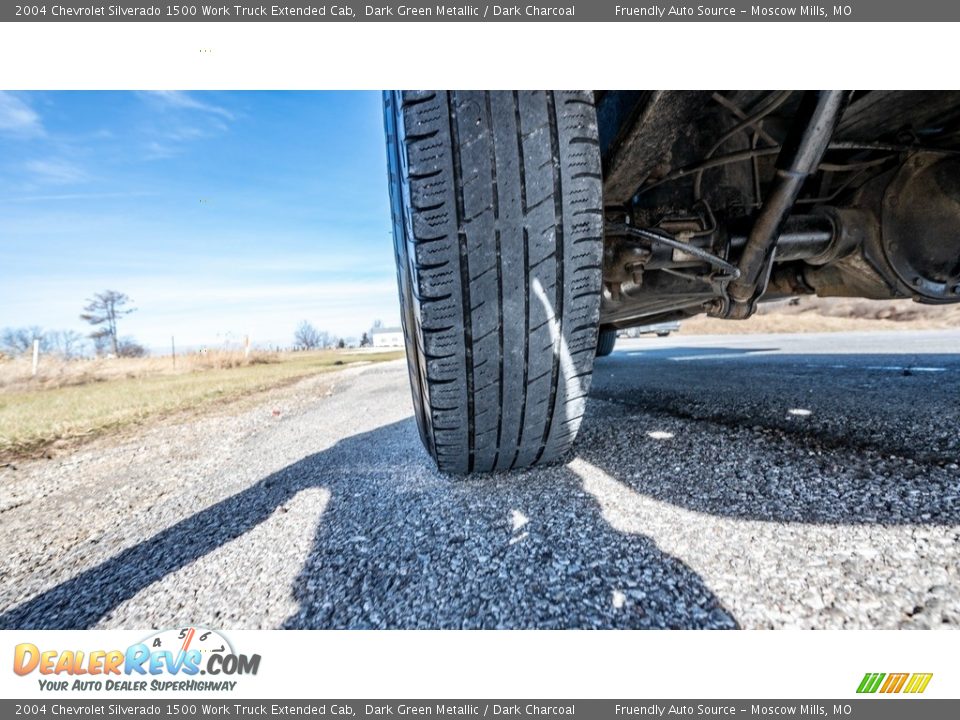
[(387, 337)]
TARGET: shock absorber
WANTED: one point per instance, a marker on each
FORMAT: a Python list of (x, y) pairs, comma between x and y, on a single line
[(800, 156)]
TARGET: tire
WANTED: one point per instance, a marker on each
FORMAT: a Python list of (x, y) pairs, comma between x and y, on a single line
[(497, 224), (663, 334), (605, 341)]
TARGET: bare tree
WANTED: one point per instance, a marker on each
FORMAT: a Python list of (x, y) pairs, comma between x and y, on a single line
[(66, 343), (307, 337), (130, 349), (17, 341), (101, 343), (103, 311)]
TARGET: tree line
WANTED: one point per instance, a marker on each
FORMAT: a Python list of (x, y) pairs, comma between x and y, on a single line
[(308, 337), (103, 312)]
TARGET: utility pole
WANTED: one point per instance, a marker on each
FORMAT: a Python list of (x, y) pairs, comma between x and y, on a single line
[(173, 352), (36, 355)]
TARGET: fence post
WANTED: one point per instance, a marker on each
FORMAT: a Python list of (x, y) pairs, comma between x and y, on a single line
[(36, 355), (246, 346), (173, 352)]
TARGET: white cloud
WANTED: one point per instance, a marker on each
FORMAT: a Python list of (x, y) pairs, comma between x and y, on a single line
[(183, 128), (159, 151), (184, 133), (55, 171), (18, 118), (73, 196), (185, 101)]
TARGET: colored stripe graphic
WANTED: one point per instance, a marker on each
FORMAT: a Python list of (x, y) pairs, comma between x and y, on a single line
[(895, 683), (918, 682), (900, 684), (870, 682)]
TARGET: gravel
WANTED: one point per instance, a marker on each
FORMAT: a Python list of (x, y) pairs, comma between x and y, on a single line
[(695, 499)]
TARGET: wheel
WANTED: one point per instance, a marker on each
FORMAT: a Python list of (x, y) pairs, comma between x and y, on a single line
[(497, 225), (663, 333), (605, 341)]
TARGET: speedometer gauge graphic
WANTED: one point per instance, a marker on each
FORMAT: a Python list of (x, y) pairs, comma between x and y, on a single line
[(177, 640)]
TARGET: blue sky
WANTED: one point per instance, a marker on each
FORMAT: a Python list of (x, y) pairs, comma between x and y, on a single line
[(219, 213)]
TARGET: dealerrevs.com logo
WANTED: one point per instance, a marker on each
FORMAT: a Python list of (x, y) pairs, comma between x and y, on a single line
[(168, 660), (911, 683)]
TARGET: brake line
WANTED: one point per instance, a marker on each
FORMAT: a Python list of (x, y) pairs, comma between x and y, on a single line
[(732, 272)]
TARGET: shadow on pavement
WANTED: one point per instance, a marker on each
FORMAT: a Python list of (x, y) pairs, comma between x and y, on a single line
[(820, 438), (906, 404), (527, 550), (402, 546)]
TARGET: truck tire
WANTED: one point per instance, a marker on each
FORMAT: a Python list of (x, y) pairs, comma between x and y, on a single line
[(605, 341), (497, 226)]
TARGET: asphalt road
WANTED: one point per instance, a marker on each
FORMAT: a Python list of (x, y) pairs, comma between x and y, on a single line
[(719, 482)]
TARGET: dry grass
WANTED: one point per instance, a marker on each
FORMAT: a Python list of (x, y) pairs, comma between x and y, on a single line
[(53, 372), (71, 401)]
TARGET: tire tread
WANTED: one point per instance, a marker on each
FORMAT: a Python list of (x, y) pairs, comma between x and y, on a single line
[(497, 211)]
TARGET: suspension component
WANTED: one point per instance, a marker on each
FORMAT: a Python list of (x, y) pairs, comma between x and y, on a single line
[(798, 159)]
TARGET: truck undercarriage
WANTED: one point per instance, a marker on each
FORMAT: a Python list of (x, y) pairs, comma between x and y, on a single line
[(715, 201), (531, 226)]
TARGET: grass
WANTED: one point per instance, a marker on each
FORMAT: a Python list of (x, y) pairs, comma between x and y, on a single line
[(73, 401)]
